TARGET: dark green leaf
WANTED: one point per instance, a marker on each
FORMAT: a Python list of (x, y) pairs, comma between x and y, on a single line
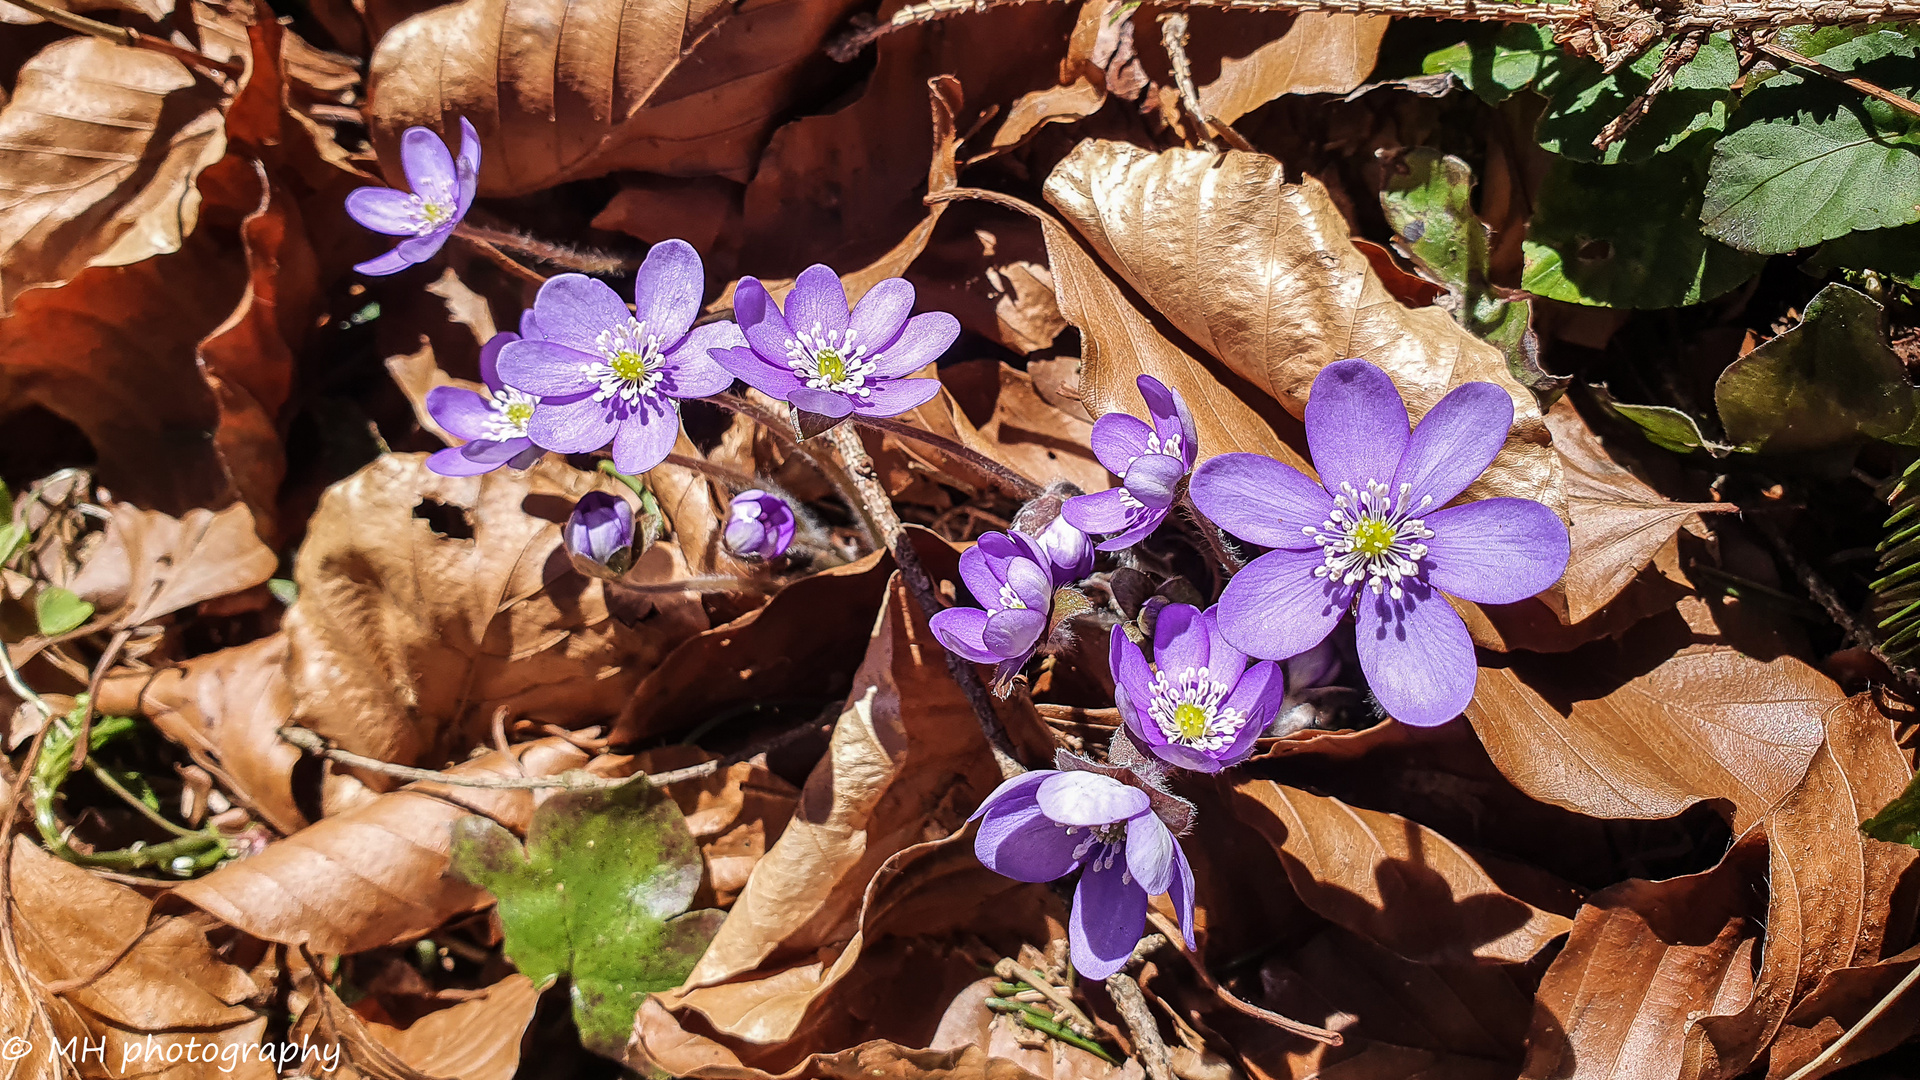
[(1664, 426), (1899, 821), (1582, 98), (1823, 384), (597, 894), (1496, 63), (58, 611), (1892, 253)]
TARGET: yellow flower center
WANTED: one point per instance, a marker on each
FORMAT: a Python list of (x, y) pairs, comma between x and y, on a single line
[(1190, 721), (519, 413), (1373, 537), (628, 365), (833, 367), (434, 213)]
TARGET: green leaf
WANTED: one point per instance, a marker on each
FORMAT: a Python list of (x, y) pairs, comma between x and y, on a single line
[(1892, 253), (596, 894), (13, 536), (1582, 98), (1628, 236), (1823, 384), (1496, 63), (58, 611), (1664, 426), (1898, 822)]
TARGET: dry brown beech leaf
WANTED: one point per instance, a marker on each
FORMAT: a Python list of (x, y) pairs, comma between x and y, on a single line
[(1619, 521), (877, 1058), (428, 602), (1643, 959), (152, 565), (735, 815), (1394, 881), (126, 977), (99, 149), (1321, 53), (1031, 436), (374, 875), (906, 763), (1646, 726), (1831, 895), (226, 708), (565, 91), (477, 1039), (1838, 1005), (1263, 274)]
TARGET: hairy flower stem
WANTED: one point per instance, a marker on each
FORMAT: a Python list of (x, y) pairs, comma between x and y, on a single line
[(1216, 547), (1016, 485), (586, 262), (500, 258), (824, 464), (880, 508)]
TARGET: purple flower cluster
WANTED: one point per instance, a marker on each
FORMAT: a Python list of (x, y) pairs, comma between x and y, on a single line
[(1150, 461), (1013, 581)]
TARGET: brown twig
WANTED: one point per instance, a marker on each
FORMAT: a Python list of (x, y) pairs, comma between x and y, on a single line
[(1680, 51), (880, 508), (80, 741), (1148, 1047), (134, 39), (1016, 484), (11, 819), (577, 780), (1173, 37), (1781, 52), (1825, 1057)]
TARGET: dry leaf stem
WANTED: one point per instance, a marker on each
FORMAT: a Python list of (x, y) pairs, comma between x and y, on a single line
[(880, 509), (1016, 484), (1781, 52), (1173, 36), (576, 780), (1679, 52), (1148, 1047), (822, 463)]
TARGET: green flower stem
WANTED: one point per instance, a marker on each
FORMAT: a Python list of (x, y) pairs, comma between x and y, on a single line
[(1037, 1018)]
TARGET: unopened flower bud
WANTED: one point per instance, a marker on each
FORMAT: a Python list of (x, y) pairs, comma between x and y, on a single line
[(1069, 551), (761, 526), (599, 535)]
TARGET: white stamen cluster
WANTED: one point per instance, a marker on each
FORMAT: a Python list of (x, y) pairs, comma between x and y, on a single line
[(1111, 839), (1010, 599), (632, 365), (431, 207), (1171, 447), (1188, 712), (828, 361), (1373, 536), (511, 410)]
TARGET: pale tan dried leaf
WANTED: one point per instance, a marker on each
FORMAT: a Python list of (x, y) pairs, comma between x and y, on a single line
[(1321, 53), (1395, 881), (375, 875), (1645, 727), (1027, 433), (478, 1039), (152, 10), (152, 565), (1262, 273), (405, 639), (99, 149)]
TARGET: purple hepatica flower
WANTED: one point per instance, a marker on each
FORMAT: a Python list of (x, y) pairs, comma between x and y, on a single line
[(1377, 525), (605, 374), (443, 190), (1150, 462), (1013, 580), (493, 424), (1068, 551), (1042, 825), (1200, 707), (823, 360), (760, 527), (600, 531)]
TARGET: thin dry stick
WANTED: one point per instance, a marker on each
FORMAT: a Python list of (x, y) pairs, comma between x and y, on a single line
[(1679, 51), (860, 467), (822, 463), (1831, 1052), (1831, 603), (1015, 483), (121, 35), (81, 740), (312, 743), (1781, 52), (1173, 36), (1148, 1047)]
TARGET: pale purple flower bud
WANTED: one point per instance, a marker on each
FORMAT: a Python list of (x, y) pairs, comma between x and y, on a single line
[(761, 525), (600, 533), (1150, 460), (443, 191), (1012, 581)]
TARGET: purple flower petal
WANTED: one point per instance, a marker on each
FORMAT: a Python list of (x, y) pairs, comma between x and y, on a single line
[(1014, 793), (1140, 525), (1455, 442), (894, 398), (1257, 696), (1031, 583), (1260, 500), (427, 163), (1129, 665), (574, 310), (1179, 640), (962, 630), (880, 314), (543, 368), (529, 326), (600, 525), (691, 371), (1012, 633), (574, 427), (1153, 478), (381, 265), (1118, 438), (464, 413), (1170, 416), (777, 382), (1180, 892), (1223, 660), (760, 320), (1150, 854), (1186, 757), (821, 402), (451, 462), (1356, 425), (982, 575), (1109, 912), (1099, 513), (1496, 551), (467, 168), (667, 290), (646, 438), (1019, 842), (1090, 798), (383, 210), (490, 358), (496, 452), (1416, 654), (525, 458), (924, 339), (1275, 607), (818, 303), (419, 249)]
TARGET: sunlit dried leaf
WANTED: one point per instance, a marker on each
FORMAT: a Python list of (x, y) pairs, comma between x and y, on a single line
[(1321, 53), (1024, 431), (151, 565)]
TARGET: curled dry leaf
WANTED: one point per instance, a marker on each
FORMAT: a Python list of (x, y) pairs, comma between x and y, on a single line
[(688, 88), (126, 977), (428, 602), (1263, 274), (99, 150), (1644, 727), (374, 875), (1394, 881), (1321, 53), (151, 564), (478, 1039), (735, 815)]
